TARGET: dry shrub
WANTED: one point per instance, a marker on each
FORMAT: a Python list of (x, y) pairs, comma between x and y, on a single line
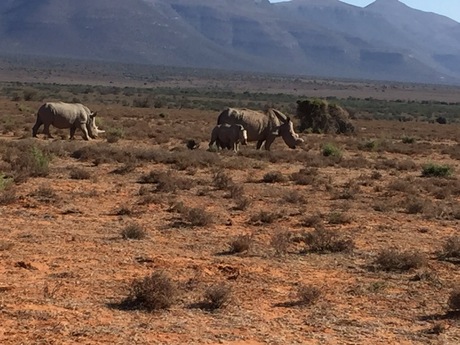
[(242, 203), (305, 176), (397, 260), (280, 242), (274, 176), (403, 186), (264, 217), (196, 216), (348, 192), (416, 205), (217, 296), (125, 168), (133, 232), (167, 181), (307, 295), (80, 174), (312, 221), (195, 158), (4, 245), (450, 249), (384, 205), (295, 197), (221, 180), (327, 241), (155, 292), (152, 177), (104, 153), (8, 195), (123, 210), (45, 193), (406, 165), (336, 217), (236, 191), (454, 300), (240, 244)]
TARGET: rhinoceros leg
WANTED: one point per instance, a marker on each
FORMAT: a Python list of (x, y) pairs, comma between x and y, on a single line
[(72, 132), (35, 128), (46, 131), (269, 142), (85, 131)]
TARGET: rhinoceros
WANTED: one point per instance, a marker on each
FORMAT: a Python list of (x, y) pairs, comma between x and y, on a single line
[(67, 115), (228, 136), (262, 127)]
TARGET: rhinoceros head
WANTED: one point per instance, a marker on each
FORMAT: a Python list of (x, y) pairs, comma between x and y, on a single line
[(287, 132), (93, 131)]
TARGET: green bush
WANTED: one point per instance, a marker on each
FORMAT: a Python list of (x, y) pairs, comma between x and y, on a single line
[(114, 134), (31, 163), (436, 170), (330, 150), (408, 140)]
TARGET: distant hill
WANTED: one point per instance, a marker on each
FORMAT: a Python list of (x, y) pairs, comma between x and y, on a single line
[(328, 38)]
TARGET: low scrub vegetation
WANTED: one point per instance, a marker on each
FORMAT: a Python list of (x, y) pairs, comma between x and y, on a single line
[(450, 249), (274, 176), (436, 170), (217, 296), (323, 241), (331, 150), (133, 232), (240, 244), (398, 260), (152, 293)]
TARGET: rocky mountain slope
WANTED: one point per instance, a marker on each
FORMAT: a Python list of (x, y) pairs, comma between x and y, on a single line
[(385, 40)]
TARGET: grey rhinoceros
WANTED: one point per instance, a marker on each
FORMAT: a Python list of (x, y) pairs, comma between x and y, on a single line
[(228, 136), (67, 115), (262, 126)]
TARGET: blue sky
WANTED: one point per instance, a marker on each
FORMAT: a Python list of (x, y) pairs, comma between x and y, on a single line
[(450, 8)]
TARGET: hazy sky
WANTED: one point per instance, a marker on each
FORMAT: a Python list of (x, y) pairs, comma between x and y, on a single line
[(450, 8)]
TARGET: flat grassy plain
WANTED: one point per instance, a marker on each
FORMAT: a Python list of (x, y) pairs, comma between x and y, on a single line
[(346, 240)]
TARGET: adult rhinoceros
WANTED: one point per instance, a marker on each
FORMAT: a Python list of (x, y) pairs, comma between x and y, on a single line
[(262, 127), (67, 115), (228, 136)]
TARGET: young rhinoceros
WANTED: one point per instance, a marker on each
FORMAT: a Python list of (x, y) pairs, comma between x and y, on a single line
[(228, 136), (67, 115)]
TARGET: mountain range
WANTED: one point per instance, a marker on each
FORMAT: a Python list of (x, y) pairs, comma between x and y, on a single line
[(386, 40)]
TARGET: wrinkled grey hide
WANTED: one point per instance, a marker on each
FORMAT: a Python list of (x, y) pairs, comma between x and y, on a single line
[(262, 127), (228, 136), (67, 115)]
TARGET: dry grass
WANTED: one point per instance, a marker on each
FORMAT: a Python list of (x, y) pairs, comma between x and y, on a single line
[(320, 228)]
